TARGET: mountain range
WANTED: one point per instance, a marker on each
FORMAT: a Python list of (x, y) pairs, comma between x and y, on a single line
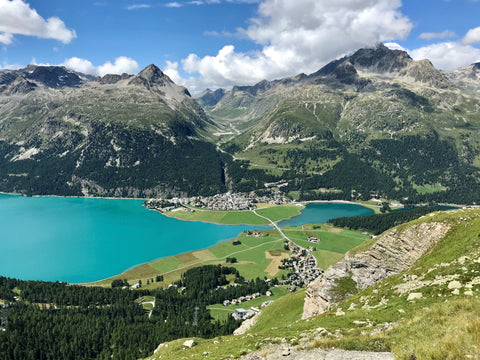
[(66, 133), (374, 123)]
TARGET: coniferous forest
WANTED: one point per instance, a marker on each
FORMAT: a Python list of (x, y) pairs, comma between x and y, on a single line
[(46, 320)]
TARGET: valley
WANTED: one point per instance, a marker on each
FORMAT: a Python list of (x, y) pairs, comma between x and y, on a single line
[(246, 181)]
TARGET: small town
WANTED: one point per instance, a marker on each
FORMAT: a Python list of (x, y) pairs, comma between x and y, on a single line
[(226, 201), (302, 264)]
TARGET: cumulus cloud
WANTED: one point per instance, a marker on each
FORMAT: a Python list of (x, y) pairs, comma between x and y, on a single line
[(299, 36), (447, 34), (173, 5), (122, 64), (448, 55), (472, 36), (80, 65), (16, 17)]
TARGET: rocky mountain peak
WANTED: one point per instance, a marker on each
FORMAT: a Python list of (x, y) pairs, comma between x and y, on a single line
[(211, 97), (151, 73), (380, 59), (53, 76), (150, 76)]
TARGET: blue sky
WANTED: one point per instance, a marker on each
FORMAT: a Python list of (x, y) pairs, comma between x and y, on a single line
[(219, 43)]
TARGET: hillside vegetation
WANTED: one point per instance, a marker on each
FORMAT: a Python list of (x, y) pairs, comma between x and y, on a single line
[(441, 323)]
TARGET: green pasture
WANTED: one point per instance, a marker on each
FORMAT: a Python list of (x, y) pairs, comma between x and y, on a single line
[(219, 217), (276, 213)]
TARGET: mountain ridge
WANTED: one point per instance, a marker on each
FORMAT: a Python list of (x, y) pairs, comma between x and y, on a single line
[(356, 107), (103, 135)]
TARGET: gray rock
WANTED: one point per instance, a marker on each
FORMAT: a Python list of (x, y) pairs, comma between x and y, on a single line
[(394, 252)]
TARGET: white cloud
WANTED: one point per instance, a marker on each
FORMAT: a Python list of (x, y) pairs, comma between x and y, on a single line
[(122, 64), (6, 38), (394, 46), (448, 55), (16, 17), (299, 36), (173, 5), (472, 36), (441, 35), (80, 65), (138, 6), (171, 70)]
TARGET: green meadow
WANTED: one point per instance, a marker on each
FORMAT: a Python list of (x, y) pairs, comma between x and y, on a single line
[(255, 256), (275, 213)]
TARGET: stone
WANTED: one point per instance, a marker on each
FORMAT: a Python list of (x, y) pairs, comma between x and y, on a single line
[(468, 293), (454, 284), (393, 252), (189, 343), (158, 348), (286, 352), (414, 296), (456, 292), (340, 312)]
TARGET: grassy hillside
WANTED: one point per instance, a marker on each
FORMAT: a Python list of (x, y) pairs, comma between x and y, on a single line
[(441, 323)]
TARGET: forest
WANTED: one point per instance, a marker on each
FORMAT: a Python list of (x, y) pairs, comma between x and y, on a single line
[(54, 320), (378, 223)]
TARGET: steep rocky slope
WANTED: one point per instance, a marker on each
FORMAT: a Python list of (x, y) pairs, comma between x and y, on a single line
[(393, 253), (120, 135)]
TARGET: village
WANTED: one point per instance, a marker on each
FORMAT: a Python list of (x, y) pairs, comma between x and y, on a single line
[(226, 201), (303, 270)]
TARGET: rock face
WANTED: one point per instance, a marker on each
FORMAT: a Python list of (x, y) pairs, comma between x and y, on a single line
[(394, 252)]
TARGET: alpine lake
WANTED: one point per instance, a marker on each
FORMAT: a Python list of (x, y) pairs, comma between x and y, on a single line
[(87, 239)]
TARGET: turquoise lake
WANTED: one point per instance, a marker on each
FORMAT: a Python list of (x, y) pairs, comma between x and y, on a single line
[(322, 212), (81, 239)]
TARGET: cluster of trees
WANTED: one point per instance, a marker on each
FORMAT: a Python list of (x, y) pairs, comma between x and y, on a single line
[(59, 321), (378, 223)]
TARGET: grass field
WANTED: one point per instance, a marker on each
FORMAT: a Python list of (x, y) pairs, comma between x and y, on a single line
[(334, 242), (276, 213), (429, 189), (219, 217)]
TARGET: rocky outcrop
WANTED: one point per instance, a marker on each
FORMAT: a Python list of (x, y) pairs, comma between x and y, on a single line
[(394, 252)]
